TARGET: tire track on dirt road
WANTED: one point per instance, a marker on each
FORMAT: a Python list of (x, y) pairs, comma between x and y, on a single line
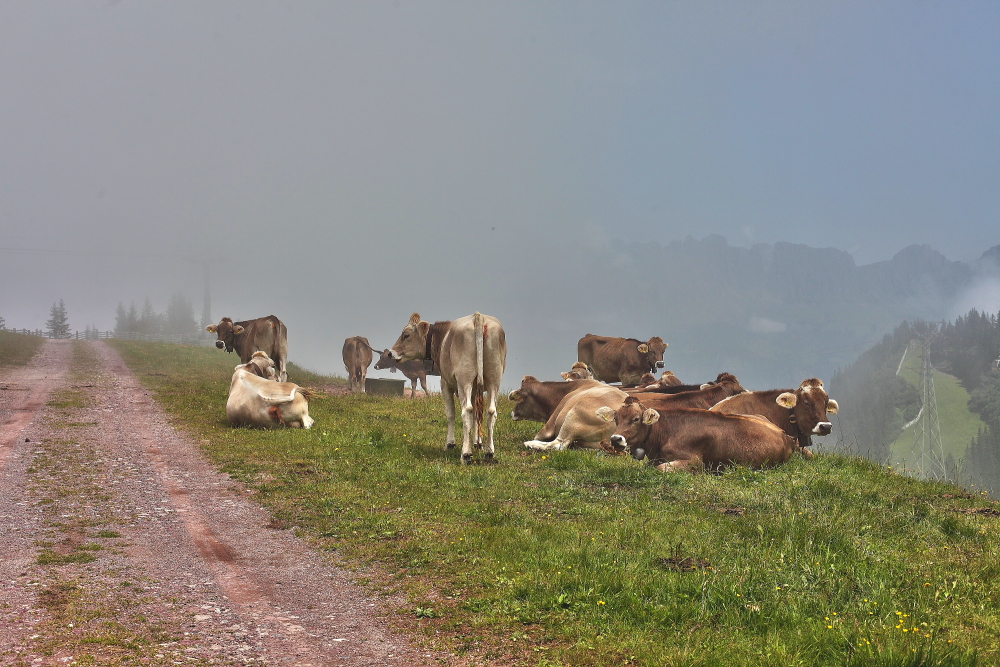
[(225, 588)]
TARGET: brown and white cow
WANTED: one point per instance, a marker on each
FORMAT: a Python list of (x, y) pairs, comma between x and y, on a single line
[(470, 354), (801, 412), (578, 371), (357, 355), (254, 401), (623, 360), (666, 381), (267, 334), (575, 422), (260, 365), (412, 370), (680, 439), (536, 400)]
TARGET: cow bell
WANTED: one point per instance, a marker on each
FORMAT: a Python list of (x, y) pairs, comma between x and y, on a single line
[(638, 453)]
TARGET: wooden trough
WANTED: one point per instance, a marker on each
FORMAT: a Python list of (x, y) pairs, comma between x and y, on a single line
[(384, 386)]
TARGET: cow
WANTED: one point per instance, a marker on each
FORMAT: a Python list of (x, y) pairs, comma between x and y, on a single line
[(470, 354), (578, 371), (682, 439), (659, 387), (260, 365), (536, 400), (667, 379), (703, 398), (412, 370), (622, 360), (254, 401), (575, 421), (357, 355), (267, 334), (801, 412)]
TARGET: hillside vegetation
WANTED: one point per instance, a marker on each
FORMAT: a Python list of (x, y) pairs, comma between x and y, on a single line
[(573, 558), (17, 349)]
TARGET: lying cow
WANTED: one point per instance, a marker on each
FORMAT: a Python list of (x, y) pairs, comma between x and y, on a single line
[(703, 398), (578, 371), (801, 413), (357, 355), (470, 353), (575, 421), (260, 365), (267, 334), (254, 401), (679, 439), (622, 360), (536, 400), (659, 387), (667, 380), (412, 370)]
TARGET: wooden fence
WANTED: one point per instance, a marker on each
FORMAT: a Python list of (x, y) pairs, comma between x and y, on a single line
[(94, 334)]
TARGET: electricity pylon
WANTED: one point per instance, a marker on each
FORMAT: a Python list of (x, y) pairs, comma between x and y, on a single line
[(927, 449)]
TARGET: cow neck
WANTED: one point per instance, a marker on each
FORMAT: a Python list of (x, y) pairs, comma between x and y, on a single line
[(799, 435), (435, 335)]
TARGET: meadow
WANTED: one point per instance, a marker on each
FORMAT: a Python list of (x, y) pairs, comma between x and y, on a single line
[(17, 349), (577, 558)]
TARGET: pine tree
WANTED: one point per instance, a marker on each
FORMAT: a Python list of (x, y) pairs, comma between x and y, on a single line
[(58, 324), (121, 319), (180, 316), (3, 325)]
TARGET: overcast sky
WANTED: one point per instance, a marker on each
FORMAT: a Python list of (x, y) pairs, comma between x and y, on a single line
[(356, 161)]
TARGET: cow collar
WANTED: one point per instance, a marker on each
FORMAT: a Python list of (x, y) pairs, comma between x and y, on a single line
[(428, 348), (795, 425)]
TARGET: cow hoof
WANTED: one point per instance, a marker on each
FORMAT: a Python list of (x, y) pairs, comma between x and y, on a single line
[(466, 459), (449, 445), (488, 458)]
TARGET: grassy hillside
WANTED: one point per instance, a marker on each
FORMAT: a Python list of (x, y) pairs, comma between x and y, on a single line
[(17, 349), (572, 558), (958, 424)]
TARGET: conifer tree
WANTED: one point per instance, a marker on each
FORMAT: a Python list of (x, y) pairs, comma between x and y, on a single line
[(58, 324)]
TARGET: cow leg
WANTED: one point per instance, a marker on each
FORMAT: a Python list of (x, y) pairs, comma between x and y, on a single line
[(413, 388), (679, 464), (545, 446), (423, 381), (364, 374), (469, 430), (491, 420), (449, 414)]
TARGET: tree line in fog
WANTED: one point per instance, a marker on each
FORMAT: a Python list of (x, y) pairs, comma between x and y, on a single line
[(177, 319)]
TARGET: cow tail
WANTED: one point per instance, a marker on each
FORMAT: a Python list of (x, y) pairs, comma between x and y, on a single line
[(479, 384)]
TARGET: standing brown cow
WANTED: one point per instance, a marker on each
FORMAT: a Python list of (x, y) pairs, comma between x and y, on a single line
[(267, 334), (357, 358), (413, 370), (623, 360)]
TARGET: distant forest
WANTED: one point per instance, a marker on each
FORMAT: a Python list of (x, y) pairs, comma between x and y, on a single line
[(178, 318), (875, 403)]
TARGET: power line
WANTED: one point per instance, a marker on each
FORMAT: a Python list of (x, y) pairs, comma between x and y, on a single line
[(85, 253)]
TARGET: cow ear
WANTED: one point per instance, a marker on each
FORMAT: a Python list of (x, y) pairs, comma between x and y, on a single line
[(423, 327), (643, 348), (605, 413), (515, 396), (705, 386), (786, 400), (414, 318), (210, 328), (565, 375), (237, 329), (650, 416), (831, 407)]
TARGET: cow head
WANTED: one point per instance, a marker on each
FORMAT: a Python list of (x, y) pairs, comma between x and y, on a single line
[(729, 382), (525, 402), (809, 406), (385, 360), (261, 365), (652, 352), (578, 371), (634, 424), (412, 341), (227, 333)]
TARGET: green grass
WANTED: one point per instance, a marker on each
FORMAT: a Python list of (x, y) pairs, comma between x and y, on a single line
[(958, 424), (572, 558), (17, 349)]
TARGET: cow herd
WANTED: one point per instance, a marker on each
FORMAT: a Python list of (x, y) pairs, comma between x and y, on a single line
[(671, 425)]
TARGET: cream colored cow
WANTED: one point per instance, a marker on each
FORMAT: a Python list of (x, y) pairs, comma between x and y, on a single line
[(575, 421), (254, 401)]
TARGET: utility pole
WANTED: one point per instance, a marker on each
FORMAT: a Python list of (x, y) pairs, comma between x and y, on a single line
[(927, 449), (206, 308)]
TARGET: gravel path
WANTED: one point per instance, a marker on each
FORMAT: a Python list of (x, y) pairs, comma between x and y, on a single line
[(121, 544)]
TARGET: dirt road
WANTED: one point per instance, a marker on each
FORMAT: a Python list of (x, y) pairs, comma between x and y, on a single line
[(120, 544)]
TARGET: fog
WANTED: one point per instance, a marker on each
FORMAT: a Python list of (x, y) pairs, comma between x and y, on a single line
[(354, 162)]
